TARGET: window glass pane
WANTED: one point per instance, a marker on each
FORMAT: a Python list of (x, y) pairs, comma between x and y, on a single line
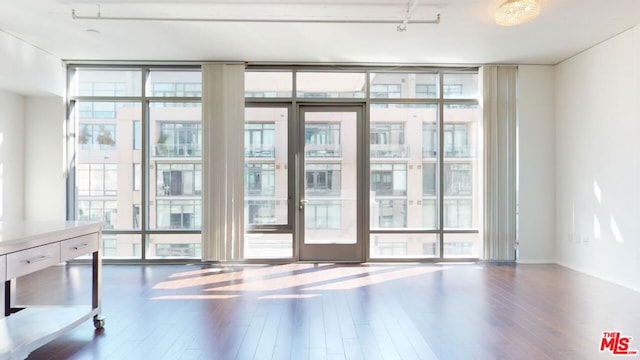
[(105, 163), (397, 185), (107, 83), (460, 86), (330, 85), (137, 135), (268, 246), (461, 167), (176, 183), (404, 85), (174, 84), (261, 84), (462, 245), (387, 140), (119, 246), (388, 246), (266, 166), (167, 246)]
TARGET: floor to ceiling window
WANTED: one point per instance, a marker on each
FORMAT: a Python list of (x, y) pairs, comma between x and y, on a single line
[(424, 163), (138, 159), (137, 163), (425, 170)]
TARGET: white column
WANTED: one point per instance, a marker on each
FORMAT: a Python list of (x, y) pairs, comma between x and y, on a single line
[(499, 112), (222, 162)]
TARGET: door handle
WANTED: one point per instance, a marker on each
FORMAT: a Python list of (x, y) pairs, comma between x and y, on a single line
[(302, 202)]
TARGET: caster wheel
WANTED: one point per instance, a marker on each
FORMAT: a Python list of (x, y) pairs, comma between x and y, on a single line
[(98, 322)]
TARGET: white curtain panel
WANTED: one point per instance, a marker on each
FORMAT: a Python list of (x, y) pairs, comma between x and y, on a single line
[(499, 111), (222, 162)]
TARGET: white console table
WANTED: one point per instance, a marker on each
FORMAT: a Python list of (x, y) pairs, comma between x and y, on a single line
[(26, 247)]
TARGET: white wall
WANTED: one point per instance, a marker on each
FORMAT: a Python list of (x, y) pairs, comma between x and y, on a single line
[(598, 160), (45, 194), (32, 83), (11, 156), (25, 69), (536, 158)]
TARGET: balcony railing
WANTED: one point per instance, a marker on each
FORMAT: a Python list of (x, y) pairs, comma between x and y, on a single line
[(384, 191), (461, 152), (178, 150), (260, 191), (260, 151), (322, 150), (389, 150)]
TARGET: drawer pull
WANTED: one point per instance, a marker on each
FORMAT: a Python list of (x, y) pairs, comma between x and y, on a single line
[(81, 246), (37, 259)]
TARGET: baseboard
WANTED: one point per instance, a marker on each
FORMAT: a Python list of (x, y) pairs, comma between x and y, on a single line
[(598, 276), (536, 262)]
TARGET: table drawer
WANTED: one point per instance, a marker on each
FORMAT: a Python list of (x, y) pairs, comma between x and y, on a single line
[(30, 260), (81, 245)]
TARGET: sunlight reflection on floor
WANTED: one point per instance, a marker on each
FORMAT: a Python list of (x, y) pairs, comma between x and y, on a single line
[(232, 281)]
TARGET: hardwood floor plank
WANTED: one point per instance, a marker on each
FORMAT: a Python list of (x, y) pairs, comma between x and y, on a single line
[(329, 311)]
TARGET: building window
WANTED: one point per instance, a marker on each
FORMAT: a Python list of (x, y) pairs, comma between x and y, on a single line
[(430, 91), (457, 213), (322, 140), (261, 94), (99, 210), (178, 214), (137, 177), (109, 247), (392, 249), (390, 213), (457, 179), (176, 89), (426, 91), (322, 179), (385, 91), (456, 141), (97, 137), (102, 89), (429, 214), (137, 135), (136, 250), (259, 179), (387, 140), (178, 250), (452, 90), (458, 248), (97, 110), (429, 140), (429, 248), (389, 179), (260, 212), (179, 179), (429, 179), (179, 139), (136, 216), (259, 140), (323, 215), (97, 179)]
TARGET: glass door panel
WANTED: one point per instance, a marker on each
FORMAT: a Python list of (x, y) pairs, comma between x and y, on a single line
[(330, 191)]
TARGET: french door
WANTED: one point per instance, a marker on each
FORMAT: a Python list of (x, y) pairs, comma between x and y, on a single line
[(330, 224)]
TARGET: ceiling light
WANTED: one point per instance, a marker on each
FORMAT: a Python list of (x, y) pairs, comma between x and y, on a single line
[(516, 12)]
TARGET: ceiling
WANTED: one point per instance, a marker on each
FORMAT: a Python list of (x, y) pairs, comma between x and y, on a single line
[(466, 33)]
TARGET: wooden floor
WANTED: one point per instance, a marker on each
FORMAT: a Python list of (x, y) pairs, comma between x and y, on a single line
[(327, 311)]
